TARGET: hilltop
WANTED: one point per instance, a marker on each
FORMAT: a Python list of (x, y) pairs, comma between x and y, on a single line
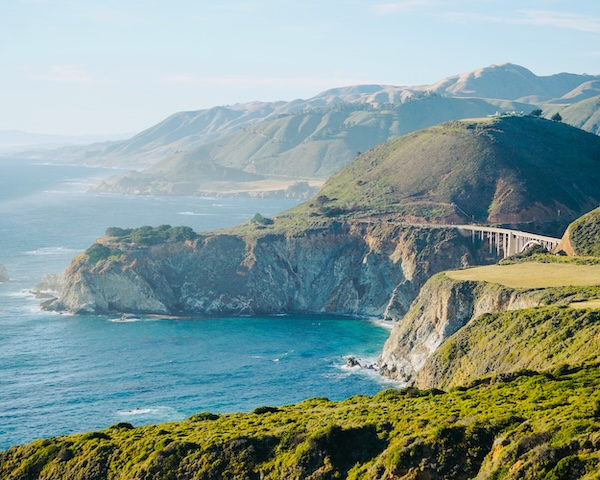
[(307, 145), (514, 170)]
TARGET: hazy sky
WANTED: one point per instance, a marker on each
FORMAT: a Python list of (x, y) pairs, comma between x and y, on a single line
[(113, 66)]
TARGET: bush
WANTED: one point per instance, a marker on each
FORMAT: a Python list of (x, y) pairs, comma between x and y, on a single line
[(148, 236), (264, 409), (98, 252), (258, 218)]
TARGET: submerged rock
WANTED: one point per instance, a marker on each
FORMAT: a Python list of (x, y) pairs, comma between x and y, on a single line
[(3, 274)]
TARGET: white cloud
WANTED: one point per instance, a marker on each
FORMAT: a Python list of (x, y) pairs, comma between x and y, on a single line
[(542, 18), (67, 74), (569, 21)]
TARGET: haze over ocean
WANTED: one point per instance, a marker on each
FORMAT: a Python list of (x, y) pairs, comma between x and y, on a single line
[(61, 374)]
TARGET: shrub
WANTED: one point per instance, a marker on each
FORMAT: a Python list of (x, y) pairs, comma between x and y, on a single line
[(258, 218), (98, 252)]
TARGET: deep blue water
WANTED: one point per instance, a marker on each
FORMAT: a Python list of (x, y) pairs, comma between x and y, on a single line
[(61, 374)]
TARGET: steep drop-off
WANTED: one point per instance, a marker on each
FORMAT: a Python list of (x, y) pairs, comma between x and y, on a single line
[(462, 328), (442, 308), (357, 269)]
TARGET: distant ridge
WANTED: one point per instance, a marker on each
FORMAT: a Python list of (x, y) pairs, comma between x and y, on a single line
[(504, 86)]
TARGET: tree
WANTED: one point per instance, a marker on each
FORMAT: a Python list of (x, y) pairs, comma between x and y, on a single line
[(536, 113), (556, 117)]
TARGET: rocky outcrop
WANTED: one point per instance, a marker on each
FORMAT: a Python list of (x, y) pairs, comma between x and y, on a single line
[(357, 269), (442, 308), (3, 274)]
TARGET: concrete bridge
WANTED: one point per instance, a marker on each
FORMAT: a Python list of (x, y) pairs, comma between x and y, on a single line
[(503, 240), (509, 242)]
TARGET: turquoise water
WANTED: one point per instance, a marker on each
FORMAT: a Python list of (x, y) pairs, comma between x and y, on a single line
[(61, 374)]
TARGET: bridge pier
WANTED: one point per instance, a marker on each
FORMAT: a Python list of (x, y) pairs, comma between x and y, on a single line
[(509, 242)]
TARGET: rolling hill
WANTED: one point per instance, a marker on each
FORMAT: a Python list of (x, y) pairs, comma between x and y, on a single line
[(523, 171), (505, 86), (311, 144)]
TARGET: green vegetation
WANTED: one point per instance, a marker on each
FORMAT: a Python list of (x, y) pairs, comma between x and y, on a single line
[(584, 234), (490, 170), (542, 338), (532, 274), (146, 236), (584, 114), (98, 252), (523, 425), (260, 220)]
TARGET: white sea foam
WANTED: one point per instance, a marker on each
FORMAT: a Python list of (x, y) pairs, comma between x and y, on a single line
[(51, 251), (24, 293), (197, 214), (161, 412), (388, 324)]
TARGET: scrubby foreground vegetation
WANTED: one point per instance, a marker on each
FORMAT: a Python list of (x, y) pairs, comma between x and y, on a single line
[(524, 425)]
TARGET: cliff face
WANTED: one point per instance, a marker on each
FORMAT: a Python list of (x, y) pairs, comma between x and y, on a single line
[(353, 269), (442, 308)]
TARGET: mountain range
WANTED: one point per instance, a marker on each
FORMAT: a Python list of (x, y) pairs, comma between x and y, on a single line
[(312, 139)]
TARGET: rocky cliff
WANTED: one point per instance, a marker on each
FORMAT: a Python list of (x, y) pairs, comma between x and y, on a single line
[(442, 308), (344, 268)]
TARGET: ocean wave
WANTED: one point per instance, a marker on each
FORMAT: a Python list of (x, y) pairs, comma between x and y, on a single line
[(126, 319), (161, 412), (51, 251), (197, 214), (387, 324), (363, 369)]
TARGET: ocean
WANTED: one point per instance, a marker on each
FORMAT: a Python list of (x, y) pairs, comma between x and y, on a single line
[(62, 374)]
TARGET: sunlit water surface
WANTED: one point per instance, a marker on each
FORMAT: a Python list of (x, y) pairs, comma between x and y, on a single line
[(61, 374)]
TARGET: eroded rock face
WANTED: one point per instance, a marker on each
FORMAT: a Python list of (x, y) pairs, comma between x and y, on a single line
[(353, 269), (441, 309)]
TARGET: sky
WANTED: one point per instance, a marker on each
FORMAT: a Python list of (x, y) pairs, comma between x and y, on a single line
[(75, 67)]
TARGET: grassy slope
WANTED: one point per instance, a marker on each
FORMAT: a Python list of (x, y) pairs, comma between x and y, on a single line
[(493, 169), (532, 275), (584, 234), (584, 114), (539, 338), (318, 142), (530, 427)]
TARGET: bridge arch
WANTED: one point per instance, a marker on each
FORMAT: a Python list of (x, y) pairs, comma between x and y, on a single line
[(531, 243)]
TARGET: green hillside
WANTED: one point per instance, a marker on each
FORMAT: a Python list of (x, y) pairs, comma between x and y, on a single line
[(584, 114), (512, 170), (525, 425), (583, 235), (312, 143), (545, 338)]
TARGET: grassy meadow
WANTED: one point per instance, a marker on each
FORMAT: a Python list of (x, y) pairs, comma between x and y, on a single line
[(529, 275)]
